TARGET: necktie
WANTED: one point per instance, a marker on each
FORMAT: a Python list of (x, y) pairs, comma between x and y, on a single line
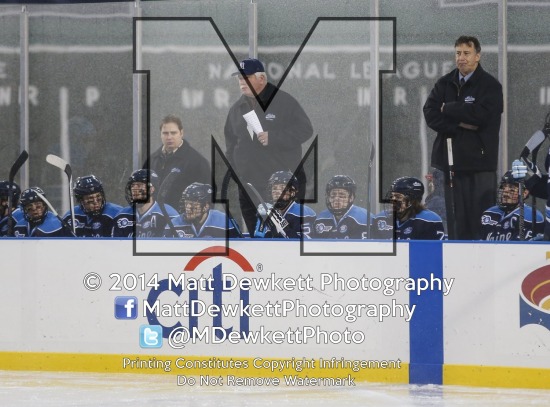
[(462, 82)]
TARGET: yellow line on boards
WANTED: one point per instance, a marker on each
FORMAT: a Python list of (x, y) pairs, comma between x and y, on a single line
[(372, 371), (496, 376)]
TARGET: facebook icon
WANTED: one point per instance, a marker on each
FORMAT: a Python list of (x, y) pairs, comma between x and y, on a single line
[(125, 307)]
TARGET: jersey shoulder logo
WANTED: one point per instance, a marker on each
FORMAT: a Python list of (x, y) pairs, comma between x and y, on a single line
[(487, 220), (124, 222), (383, 225), (321, 228)]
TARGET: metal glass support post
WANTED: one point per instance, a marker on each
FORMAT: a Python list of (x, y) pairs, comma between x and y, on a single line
[(374, 127), (503, 78), (24, 93), (253, 29), (137, 148)]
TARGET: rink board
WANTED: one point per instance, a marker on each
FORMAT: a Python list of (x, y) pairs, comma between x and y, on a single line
[(470, 334)]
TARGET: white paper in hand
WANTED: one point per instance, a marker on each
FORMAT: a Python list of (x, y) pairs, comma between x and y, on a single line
[(253, 122)]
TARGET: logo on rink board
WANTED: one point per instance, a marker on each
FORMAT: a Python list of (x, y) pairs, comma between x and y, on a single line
[(534, 299), (216, 284)]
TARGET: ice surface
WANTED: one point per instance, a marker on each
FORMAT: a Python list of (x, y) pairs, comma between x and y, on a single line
[(110, 390)]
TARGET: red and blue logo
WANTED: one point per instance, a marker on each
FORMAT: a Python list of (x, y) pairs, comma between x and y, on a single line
[(217, 288), (534, 299)]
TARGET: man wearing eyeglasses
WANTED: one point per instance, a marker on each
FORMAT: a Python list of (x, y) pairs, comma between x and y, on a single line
[(256, 155)]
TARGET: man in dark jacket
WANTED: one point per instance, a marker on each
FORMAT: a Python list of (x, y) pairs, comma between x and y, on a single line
[(256, 155), (176, 155), (464, 108)]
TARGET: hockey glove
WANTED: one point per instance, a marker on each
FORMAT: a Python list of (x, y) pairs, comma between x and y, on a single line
[(278, 222), (532, 168), (519, 170)]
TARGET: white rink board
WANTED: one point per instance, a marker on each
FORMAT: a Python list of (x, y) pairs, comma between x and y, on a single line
[(458, 338), (53, 312), (482, 316)]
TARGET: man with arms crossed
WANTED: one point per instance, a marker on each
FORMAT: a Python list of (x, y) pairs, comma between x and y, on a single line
[(464, 108)]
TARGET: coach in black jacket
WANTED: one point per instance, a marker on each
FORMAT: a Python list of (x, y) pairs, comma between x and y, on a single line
[(465, 106), (176, 155), (255, 157)]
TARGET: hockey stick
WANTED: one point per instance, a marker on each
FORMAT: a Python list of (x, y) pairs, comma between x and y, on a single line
[(52, 210), (65, 166), (225, 189), (13, 172), (533, 197), (163, 192), (532, 147), (533, 143), (452, 216), (521, 211), (369, 185), (268, 216)]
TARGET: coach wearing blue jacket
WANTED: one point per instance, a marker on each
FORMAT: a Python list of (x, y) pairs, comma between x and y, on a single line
[(465, 107)]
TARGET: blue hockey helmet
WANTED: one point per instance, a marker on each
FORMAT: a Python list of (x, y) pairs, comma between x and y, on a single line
[(340, 182), (290, 183), (89, 185), (5, 192), (30, 196), (194, 194), (148, 177), (411, 187)]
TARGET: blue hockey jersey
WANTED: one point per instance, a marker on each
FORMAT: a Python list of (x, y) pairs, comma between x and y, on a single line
[(298, 225), (50, 227), (352, 225), (213, 227), (150, 224), (426, 225), (17, 215), (501, 226), (94, 226)]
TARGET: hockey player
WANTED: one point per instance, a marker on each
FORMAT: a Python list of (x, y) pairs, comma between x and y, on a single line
[(37, 220), (197, 218), (94, 217), (144, 210), (17, 213), (284, 218), (342, 219), (502, 221), (413, 222)]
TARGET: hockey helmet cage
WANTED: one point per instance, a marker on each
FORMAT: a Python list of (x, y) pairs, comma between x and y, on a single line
[(85, 186), (340, 182), (148, 177), (29, 196)]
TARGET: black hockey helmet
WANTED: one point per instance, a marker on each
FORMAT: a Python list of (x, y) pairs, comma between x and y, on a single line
[(85, 186), (29, 196), (508, 192), (290, 182), (148, 177), (5, 191), (411, 187), (196, 192), (340, 182)]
